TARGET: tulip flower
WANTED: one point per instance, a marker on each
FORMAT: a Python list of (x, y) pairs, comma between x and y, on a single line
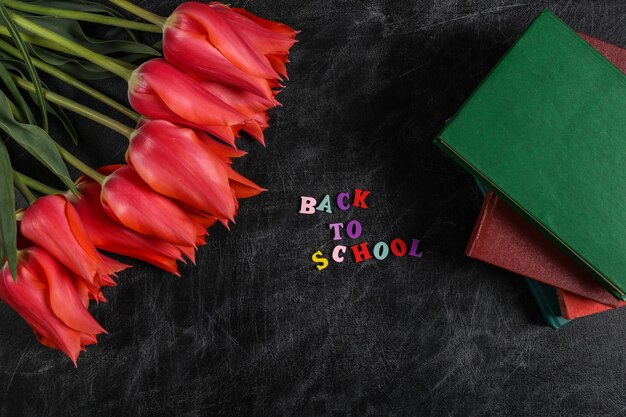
[(158, 90), (130, 201), (231, 46), (174, 162), (47, 300), (246, 103), (54, 225), (109, 235)]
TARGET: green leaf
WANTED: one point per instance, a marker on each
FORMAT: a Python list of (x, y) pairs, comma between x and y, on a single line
[(76, 67), (130, 52), (58, 112), (34, 77), (10, 63), (70, 29), (8, 225), (35, 141), (12, 88)]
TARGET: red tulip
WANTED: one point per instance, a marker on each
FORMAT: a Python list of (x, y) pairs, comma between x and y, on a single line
[(246, 103), (109, 235), (130, 201), (46, 298), (159, 90), (54, 225), (231, 46), (174, 162)]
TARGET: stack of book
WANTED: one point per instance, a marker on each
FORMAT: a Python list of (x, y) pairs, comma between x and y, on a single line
[(545, 136)]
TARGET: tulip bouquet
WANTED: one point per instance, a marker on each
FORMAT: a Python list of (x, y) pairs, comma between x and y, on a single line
[(210, 80)]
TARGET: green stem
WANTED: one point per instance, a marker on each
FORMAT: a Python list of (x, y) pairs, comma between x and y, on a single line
[(101, 60), (139, 12), (77, 108), (82, 16), (45, 43), (81, 166), (52, 70), (35, 185), (35, 40), (17, 113), (19, 184)]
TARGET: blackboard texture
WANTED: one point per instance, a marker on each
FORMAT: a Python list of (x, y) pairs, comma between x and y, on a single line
[(256, 330)]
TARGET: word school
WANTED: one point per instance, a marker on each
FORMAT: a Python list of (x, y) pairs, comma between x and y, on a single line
[(353, 230)]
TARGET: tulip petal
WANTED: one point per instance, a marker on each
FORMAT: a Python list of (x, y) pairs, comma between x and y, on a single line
[(191, 51), (112, 236), (264, 35), (221, 150), (134, 204), (243, 187), (28, 296), (64, 298), (181, 95), (276, 27), (175, 163), (53, 224), (228, 40)]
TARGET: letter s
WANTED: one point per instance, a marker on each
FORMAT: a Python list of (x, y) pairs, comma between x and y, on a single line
[(317, 257)]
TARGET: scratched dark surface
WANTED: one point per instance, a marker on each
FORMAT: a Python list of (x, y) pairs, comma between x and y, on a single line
[(256, 329)]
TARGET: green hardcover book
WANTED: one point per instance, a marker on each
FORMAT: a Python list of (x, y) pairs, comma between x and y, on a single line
[(546, 130)]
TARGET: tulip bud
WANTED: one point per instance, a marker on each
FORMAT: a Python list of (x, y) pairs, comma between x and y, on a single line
[(174, 162), (231, 46), (158, 90), (46, 298), (109, 235), (54, 225), (130, 201)]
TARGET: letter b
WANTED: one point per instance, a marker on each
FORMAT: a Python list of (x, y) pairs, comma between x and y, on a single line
[(307, 205)]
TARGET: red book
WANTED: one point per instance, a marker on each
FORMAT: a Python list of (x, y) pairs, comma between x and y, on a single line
[(574, 306), (503, 238)]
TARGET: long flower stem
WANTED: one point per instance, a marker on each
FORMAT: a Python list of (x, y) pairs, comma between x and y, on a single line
[(36, 40), (101, 60), (35, 185), (17, 113), (77, 108), (52, 70), (21, 186), (82, 16), (81, 166), (139, 12), (45, 43)]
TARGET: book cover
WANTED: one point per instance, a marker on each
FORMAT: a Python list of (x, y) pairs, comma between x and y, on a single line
[(503, 238), (559, 305), (573, 306), (545, 295), (545, 131)]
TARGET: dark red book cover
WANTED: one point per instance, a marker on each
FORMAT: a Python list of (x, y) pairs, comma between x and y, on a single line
[(503, 238)]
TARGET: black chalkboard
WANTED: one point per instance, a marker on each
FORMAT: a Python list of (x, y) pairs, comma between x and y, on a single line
[(256, 329)]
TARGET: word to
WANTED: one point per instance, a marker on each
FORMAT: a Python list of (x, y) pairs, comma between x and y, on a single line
[(353, 230)]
